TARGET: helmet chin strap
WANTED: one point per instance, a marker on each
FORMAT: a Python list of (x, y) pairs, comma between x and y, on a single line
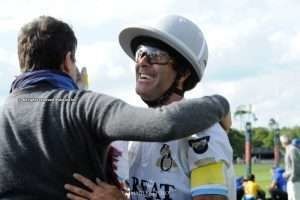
[(166, 95)]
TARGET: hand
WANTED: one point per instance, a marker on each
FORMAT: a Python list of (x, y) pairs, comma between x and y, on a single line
[(82, 79), (97, 191), (226, 122)]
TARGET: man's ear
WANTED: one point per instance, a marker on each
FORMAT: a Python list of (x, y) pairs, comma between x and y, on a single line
[(66, 66), (183, 78)]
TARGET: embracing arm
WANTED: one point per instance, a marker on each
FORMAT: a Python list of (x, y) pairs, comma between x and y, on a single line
[(121, 121), (107, 116)]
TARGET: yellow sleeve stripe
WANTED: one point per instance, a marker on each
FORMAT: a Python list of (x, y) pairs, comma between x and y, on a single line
[(212, 173)]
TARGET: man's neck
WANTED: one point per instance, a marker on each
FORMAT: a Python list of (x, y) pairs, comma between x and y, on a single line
[(174, 97)]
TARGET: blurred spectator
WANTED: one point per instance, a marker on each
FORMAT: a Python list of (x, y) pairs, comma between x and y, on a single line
[(292, 166), (239, 187), (252, 190), (296, 142), (278, 185)]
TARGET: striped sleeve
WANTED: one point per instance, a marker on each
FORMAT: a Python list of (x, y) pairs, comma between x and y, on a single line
[(209, 180)]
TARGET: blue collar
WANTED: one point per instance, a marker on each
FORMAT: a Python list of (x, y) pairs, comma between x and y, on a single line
[(55, 78)]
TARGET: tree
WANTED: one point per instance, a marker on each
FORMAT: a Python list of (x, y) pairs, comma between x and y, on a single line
[(237, 142), (262, 137), (293, 132)]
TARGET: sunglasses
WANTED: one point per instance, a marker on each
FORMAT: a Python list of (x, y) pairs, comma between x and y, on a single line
[(153, 55)]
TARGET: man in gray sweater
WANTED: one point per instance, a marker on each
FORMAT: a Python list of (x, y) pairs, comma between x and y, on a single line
[(50, 129), (292, 168)]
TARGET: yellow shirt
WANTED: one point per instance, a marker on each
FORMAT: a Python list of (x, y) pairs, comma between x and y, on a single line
[(251, 188)]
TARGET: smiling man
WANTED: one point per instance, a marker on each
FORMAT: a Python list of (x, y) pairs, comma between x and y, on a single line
[(170, 59)]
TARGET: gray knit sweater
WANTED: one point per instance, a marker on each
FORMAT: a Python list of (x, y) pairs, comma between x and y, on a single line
[(292, 163), (48, 134)]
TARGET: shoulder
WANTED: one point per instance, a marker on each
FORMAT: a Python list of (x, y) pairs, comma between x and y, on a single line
[(292, 149), (215, 131), (84, 97), (214, 136)]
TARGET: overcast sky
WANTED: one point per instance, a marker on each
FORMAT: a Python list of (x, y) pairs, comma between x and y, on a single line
[(254, 47)]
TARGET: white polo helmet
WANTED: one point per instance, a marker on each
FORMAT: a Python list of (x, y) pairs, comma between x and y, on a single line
[(177, 32)]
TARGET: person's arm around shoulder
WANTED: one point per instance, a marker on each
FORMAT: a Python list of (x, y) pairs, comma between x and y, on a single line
[(174, 121), (117, 120)]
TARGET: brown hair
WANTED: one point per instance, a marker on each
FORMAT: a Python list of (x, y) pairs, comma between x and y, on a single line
[(44, 43)]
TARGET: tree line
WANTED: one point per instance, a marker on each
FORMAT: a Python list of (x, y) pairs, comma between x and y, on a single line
[(261, 137)]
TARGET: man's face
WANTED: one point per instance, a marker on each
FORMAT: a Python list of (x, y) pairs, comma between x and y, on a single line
[(153, 78), (73, 72), (70, 67)]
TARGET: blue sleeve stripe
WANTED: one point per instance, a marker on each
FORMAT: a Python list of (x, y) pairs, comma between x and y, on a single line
[(210, 190)]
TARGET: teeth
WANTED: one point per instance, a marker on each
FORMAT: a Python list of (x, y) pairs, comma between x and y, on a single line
[(145, 76)]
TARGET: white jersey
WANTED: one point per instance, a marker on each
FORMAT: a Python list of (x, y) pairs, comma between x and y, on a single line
[(197, 165)]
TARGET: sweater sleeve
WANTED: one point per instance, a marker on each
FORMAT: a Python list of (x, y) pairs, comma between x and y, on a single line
[(116, 120)]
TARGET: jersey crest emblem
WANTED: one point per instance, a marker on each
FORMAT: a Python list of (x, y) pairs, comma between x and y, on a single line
[(199, 145), (166, 161)]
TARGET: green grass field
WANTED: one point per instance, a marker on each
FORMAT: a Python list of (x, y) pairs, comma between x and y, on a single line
[(262, 174)]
